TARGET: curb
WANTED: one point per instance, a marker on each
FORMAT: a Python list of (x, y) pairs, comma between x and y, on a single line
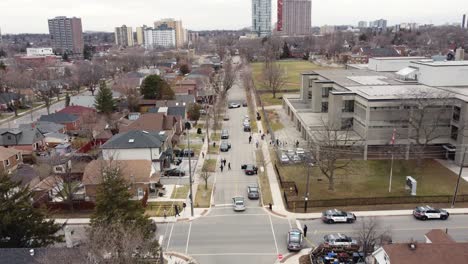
[(184, 257)]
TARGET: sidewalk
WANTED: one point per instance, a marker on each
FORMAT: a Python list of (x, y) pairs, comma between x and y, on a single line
[(454, 168)]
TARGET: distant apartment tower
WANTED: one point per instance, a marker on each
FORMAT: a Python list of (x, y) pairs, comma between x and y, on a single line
[(380, 24), (362, 24), (66, 34), (163, 36), (295, 17), (140, 35), (124, 36), (261, 17), (178, 28)]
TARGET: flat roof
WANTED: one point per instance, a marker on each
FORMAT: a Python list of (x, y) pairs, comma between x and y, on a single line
[(395, 91), (443, 63), (352, 77), (398, 58)]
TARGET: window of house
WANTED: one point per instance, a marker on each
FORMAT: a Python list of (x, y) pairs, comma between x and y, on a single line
[(9, 137), (7, 162), (309, 95), (348, 106), (454, 133), (17, 157), (347, 123), (324, 107), (325, 92), (456, 114)]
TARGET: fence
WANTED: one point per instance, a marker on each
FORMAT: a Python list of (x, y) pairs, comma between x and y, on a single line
[(63, 206), (295, 201)]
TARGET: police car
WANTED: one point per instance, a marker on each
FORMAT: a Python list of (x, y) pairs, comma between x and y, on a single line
[(337, 216), (427, 212)]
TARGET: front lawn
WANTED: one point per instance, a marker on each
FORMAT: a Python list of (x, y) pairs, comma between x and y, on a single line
[(209, 165), (264, 183), (203, 196), (267, 99), (180, 192), (370, 179), (274, 120), (156, 209)]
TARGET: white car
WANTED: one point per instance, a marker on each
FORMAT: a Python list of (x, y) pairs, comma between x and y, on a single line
[(300, 151), (238, 203), (290, 152), (284, 158), (296, 158), (234, 105)]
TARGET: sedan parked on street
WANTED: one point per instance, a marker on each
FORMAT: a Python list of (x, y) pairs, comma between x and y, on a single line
[(234, 105), (252, 192), (238, 203), (428, 212), (174, 172), (339, 240), (225, 146), (249, 169), (337, 216), (224, 134)]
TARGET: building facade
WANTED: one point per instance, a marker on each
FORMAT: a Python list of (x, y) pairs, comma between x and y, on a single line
[(362, 24), (66, 34), (160, 37), (261, 17), (124, 36), (180, 34), (296, 17), (31, 52), (140, 35)]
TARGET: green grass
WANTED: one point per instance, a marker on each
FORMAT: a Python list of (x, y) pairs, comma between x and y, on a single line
[(156, 209), (370, 179), (209, 165), (267, 99), (274, 119), (263, 180), (292, 68), (215, 136), (180, 192), (203, 196)]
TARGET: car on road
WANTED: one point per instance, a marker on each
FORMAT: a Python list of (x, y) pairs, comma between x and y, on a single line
[(234, 105), (339, 240), (188, 152), (284, 158), (336, 216), (224, 134), (174, 172), (300, 151), (249, 169), (428, 212), (247, 127), (252, 192), (226, 117), (224, 146), (238, 203), (294, 240)]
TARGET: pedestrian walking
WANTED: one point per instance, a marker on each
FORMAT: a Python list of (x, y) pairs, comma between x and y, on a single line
[(203, 140), (250, 139), (176, 209), (203, 154), (229, 165), (305, 230), (165, 213), (277, 142), (214, 144), (224, 162), (221, 167), (256, 143), (297, 143)]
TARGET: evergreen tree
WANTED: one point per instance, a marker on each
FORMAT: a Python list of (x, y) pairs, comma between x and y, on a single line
[(67, 100), (194, 112), (153, 87), (22, 225), (113, 204), (104, 102)]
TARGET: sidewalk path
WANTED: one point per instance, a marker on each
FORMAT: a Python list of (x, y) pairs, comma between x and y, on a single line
[(454, 167)]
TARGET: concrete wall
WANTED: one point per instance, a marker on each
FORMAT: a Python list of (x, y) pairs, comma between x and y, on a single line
[(443, 75), (391, 65)]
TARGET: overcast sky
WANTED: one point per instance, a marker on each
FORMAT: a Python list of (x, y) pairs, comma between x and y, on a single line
[(30, 16)]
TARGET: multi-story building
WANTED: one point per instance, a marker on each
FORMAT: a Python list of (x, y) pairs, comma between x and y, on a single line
[(124, 36), (326, 29), (66, 34), (30, 52), (362, 24), (261, 17), (295, 17), (160, 37), (370, 105), (140, 35), (180, 37), (380, 24)]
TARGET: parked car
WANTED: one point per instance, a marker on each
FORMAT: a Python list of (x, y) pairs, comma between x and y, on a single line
[(234, 105), (339, 240), (284, 158), (177, 152), (252, 192), (238, 203), (300, 151), (177, 161), (290, 152), (247, 128), (249, 169), (188, 152), (203, 112), (174, 172), (244, 104), (224, 134), (226, 117), (428, 212), (296, 158), (294, 240), (337, 216), (224, 146)]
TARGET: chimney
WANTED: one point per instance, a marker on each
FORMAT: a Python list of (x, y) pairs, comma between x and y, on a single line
[(464, 21)]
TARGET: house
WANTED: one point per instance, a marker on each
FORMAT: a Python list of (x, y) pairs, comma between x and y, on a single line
[(70, 121), (25, 139), (26, 175), (185, 87), (135, 145), (9, 159), (77, 110), (178, 111), (140, 175), (54, 139), (156, 122), (8, 99), (439, 248), (45, 127)]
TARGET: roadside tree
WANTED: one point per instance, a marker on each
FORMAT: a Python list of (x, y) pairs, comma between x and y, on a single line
[(371, 235), (153, 87), (104, 101), (273, 76)]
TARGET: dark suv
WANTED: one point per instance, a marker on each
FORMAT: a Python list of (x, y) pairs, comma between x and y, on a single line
[(427, 212), (249, 169)]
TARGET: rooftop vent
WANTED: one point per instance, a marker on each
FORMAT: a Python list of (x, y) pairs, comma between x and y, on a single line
[(131, 140)]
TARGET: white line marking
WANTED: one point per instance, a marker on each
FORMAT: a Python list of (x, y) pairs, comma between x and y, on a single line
[(235, 254), (188, 238), (240, 214), (170, 235), (274, 236), (161, 239)]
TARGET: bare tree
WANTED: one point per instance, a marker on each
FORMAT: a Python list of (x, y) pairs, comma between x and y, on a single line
[(128, 87), (370, 234), (229, 77), (274, 77), (46, 91), (205, 175), (333, 147)]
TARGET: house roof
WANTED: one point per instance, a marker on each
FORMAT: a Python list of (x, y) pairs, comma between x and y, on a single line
[(59, 118), (26, 175), (26, 136), (76, 110), (187, 98), (6, 153), (136, 171), (44, 126), (170, 103), (439, 236), (56, 135), (172, 110), (427, 253), (151, 122), (135, 139)]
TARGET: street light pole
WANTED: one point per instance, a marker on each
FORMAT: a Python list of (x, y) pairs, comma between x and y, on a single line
[(187, 127), (458, 180), (306, 198)]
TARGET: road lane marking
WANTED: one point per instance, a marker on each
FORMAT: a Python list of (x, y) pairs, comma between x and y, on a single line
[(170, 235), (235, 254), (240, 214), (188, 238), (274, 236), (398, 229)]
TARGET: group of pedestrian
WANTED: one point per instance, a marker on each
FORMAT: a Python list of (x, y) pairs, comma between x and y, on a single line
[(223, 164)]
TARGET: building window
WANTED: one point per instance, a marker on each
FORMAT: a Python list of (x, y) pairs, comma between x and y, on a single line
[(7, 162), (347, 123), (17, 157), (324, 107), (348, 106), (456, 114), (309, 95), (454, 133), (9, 137), (325, 92)]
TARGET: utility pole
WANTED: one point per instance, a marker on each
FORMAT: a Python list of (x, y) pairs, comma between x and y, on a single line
[(459, 176), (187, 127), (306, 198)]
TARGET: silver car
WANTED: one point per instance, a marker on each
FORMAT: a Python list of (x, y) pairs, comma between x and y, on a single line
[(252, 192), (295, 240), (238, 203), (339, 240)]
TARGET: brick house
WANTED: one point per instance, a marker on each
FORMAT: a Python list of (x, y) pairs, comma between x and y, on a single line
[(9, 159), (25, 139), (70, 121)]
